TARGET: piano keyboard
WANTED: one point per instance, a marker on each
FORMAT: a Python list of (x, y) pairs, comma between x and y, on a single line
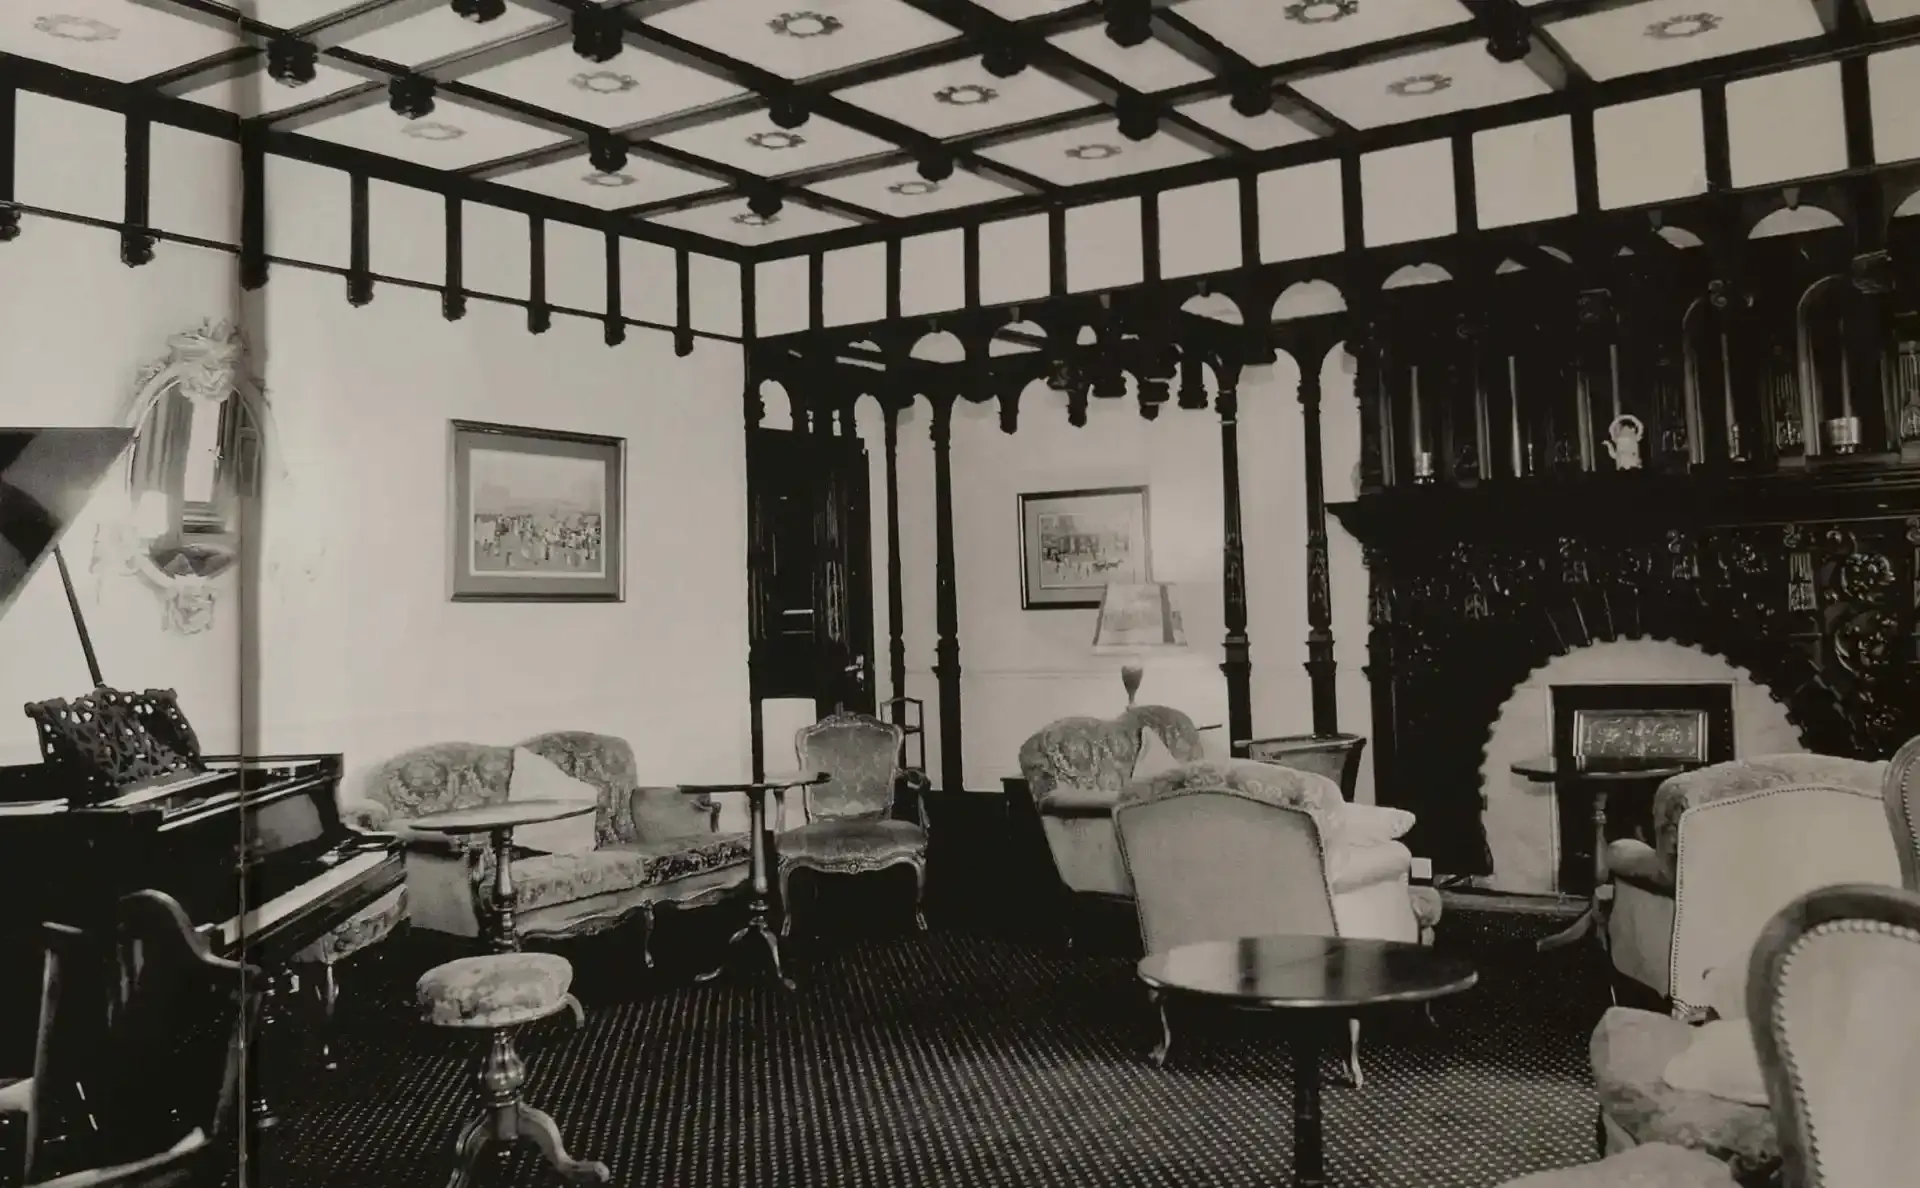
[(280, 907), (165, 787)]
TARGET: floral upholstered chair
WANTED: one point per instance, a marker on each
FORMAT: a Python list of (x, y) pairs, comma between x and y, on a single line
[(1075, 770), (650, 846), (850, 824)]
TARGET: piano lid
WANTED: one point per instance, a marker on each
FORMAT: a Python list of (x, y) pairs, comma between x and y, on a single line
[(47, 477)]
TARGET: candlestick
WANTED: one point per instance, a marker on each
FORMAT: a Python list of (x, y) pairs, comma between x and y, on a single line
[(1613, 369), (1846, 374), (1413, 382), (1513, 407)]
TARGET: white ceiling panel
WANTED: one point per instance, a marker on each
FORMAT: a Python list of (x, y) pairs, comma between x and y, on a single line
[(1892, 10), (1436, 82), (1265, 131), (961, 97), (634, 86), (733, 222), (438, 33), (1636, 38), (576, 180), (110, 38), (292, 14), (452, 136), (1307, 28), (1089, 153), (255, 93), (752, 142), (1150, 66), (1020, 10), (900, 191), (798, 42)]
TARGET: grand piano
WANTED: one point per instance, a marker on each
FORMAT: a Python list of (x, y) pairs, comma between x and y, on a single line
[(123, 799)]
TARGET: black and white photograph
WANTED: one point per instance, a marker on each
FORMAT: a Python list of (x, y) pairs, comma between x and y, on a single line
[(1074, 544), (511, 670), (536, 514)]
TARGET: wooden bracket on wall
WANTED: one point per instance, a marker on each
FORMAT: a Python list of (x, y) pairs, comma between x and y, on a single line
[(136, 234)]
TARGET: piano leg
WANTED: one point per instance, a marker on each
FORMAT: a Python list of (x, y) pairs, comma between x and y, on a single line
[(329, 987)]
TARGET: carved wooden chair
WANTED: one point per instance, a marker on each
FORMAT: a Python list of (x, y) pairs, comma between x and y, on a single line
[(850, 823), (1902, 794)]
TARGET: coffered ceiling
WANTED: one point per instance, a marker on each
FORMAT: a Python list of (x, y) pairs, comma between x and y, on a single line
[(763, 121)]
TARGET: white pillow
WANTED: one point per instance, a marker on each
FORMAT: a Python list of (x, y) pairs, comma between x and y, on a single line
[(536, 778), (1370, 824), (1720, 1062), (1154, 758)]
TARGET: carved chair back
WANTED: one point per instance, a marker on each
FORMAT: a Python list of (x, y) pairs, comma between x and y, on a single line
[(860, 755), (1902, 794), (1830, 993)]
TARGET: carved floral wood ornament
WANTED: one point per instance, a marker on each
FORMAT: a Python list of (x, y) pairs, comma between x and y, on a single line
[(200, 426)]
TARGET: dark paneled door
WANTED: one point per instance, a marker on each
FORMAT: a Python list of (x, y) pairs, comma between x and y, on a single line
[(809, 569)]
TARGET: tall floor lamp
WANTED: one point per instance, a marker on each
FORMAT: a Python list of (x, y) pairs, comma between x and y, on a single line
[(1138, 619)]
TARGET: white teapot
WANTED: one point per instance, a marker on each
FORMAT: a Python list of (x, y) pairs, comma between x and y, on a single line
[(1624, 435)]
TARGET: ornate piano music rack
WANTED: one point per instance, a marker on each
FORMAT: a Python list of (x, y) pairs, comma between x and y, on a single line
[(109, 740)]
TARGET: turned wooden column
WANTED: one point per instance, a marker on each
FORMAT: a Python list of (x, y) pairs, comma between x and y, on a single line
[(896, 598), (946, 650), (1238, 665), (1320, 664)]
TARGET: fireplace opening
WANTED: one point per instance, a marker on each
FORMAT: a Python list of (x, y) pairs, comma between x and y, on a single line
[(1596, 723)]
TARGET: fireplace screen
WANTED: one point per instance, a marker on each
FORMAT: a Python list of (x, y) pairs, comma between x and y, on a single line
[(1623, 736)]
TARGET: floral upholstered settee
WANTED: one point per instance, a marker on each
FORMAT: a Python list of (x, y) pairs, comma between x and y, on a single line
[(651, 846), (1075, 770)]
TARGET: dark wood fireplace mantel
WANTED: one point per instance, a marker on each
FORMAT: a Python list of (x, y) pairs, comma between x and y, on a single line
[(1809, 581)]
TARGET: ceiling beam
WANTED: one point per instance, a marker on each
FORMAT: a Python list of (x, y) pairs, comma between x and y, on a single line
[(1235, 72), (1765, 60)]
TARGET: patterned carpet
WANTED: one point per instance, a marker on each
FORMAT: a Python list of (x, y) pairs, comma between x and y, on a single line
[(958, 1058)]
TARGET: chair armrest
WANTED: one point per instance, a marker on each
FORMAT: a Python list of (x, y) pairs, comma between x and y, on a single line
[(1069, 800), (914, 783), (1631, 860)]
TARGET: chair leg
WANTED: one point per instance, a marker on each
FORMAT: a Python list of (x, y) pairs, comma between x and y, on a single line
[(1164, 1048), (920, 895), (786, 900), (646, 935), (1354, 1073), (579, 1012)]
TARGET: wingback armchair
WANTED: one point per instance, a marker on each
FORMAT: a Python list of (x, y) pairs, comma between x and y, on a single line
[(1733, 843), (1075, 770), (1902, 793), (652, 846), (850, 825)]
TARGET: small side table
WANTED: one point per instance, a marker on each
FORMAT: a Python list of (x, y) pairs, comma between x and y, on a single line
[(540, 982), (1597, 783), (760, 859)]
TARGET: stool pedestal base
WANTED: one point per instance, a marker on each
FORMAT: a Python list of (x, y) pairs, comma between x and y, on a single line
[(505, 1120)]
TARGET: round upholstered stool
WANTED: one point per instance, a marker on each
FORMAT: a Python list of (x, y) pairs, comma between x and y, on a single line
[(497, 993)]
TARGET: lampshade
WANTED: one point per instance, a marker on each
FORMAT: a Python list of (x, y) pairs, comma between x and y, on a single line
[(1138, 617)]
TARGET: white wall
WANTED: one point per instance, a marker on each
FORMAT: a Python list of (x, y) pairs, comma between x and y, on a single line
[(360, 649)]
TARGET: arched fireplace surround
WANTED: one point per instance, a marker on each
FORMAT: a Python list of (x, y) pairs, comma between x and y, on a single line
[(1809, 586)]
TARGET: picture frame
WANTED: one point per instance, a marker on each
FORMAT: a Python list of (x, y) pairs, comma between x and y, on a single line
[(1074, 543), (535, 515)]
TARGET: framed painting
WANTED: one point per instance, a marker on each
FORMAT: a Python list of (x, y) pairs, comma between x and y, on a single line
[(1074, 543), (536, 515)]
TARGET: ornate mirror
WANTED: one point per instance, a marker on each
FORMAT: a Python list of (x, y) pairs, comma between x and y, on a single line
[(199, 424)]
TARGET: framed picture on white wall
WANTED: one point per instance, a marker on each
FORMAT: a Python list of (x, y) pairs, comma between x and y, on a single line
[(1073, 544), (535, 515)]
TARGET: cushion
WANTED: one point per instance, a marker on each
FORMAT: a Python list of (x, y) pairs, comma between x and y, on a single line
[(546, 880), (850, 842), (1368, 824), (497, 990), (537, 778), (1352, 867), (1655, 1165), (662, 814), (1154, 758), (1720, 1061), (1630, 1051)]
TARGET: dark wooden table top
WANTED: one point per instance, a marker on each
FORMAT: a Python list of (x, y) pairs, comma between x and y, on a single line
[(1307, 972), (770, 783), (508, 814), (1547, 768)]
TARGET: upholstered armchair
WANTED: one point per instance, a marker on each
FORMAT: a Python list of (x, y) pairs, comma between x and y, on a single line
[(1219, 850), (1733, 842), (1902, 793), (850, 824), (1075, 770), (651, 846)]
